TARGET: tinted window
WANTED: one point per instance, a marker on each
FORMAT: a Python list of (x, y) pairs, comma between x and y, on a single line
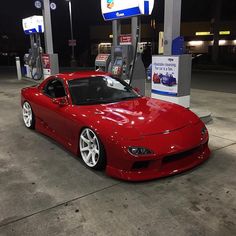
[(54, 89), (100, 89)]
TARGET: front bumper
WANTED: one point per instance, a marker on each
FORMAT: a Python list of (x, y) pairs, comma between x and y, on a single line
[(161, 168), (174, 153)]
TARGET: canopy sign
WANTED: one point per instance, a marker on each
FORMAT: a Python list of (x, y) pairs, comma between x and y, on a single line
[(118, 9), (33, 24)]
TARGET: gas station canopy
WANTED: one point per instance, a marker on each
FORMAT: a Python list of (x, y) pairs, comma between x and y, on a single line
[(118, 9)]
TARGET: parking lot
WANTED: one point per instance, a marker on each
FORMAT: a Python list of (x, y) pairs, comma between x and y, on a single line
[(45, 190)]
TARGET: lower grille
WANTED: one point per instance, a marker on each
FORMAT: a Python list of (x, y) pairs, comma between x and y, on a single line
[(180, 156), (140, 165)]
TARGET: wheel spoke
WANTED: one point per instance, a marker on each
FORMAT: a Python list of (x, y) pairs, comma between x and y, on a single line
[(85, 149), (27, 119), (94, 158), (84, 139), (89, 156), (96, 150), (89, 135)]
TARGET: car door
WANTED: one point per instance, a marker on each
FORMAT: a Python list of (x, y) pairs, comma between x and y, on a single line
[(52, 115)]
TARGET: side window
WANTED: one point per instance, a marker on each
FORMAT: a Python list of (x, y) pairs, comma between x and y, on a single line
[(54, 89)]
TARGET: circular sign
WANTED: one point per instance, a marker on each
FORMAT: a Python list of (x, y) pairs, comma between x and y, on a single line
[(38, 4), (117, 9), (53, 5)]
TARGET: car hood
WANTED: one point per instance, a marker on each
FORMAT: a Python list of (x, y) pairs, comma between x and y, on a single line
[(148, 116)]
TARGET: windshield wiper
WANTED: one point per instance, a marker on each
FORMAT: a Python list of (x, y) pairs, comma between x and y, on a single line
[(96, 101), (90, 101), (127, 98)]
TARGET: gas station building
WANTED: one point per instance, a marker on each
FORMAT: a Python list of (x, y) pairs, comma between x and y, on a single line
[(197, 35)]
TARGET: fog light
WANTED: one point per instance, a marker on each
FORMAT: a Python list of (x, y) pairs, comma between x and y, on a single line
[(139, 151)]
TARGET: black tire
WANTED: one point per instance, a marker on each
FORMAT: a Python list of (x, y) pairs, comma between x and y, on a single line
[(31, 123)]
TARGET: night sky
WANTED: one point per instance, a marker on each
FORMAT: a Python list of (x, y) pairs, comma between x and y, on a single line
[(86, 13)]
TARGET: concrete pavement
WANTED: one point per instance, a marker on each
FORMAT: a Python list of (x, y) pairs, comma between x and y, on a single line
[(44, 190)]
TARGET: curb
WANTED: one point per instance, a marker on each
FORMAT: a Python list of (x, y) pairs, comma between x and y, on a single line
[(205, 116)]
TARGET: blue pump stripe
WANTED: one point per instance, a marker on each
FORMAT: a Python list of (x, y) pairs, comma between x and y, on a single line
[(164, 93), (31, 31), (40, 29), (122, 14), (146, 7)]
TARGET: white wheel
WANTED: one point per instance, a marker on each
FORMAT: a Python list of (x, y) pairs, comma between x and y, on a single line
[(28, 116), (89, 147)]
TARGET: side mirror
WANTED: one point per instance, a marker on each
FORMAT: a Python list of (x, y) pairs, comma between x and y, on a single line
[(60, 101)]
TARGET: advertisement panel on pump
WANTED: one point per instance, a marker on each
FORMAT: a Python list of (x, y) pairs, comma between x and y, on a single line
[(46, 65), (118, 9), (165, 73)]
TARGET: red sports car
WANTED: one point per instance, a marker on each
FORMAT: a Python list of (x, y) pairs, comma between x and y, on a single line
[(104, 121), (156, 79)]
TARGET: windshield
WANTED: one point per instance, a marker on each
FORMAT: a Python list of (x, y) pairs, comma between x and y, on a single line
[(100, 89)]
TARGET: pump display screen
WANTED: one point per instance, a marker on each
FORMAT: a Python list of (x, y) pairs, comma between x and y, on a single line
[(118, 50), (118, 62)]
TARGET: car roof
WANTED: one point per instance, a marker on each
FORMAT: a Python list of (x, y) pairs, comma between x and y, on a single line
[(80, 74)]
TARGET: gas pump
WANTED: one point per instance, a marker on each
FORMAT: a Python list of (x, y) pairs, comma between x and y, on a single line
[(102, 62), (33, 26), (122, 61), (37, 64), (126, 61), (103, 59)]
